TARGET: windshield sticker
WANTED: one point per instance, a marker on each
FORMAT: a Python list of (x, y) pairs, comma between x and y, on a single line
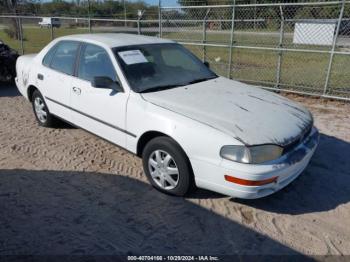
[(133, 57)]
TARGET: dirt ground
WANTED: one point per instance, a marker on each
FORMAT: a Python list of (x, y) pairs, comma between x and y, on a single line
[(65, 191)]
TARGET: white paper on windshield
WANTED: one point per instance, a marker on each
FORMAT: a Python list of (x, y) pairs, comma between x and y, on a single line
[(133, 57)]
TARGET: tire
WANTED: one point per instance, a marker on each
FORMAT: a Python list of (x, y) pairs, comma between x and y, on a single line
[(161, 157), (41, 111)]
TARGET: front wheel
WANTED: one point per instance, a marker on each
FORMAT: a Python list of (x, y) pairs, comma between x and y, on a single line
[(41, 111), (167, 166)]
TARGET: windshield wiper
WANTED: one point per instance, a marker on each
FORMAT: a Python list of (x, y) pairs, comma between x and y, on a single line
[(201, 80), (165, 87), (160, 88)]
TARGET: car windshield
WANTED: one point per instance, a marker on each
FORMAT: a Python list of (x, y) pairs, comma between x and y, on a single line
[(156, 67)]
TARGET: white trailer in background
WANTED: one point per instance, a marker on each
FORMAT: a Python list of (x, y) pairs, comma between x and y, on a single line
[(49, 22), (314, 32)]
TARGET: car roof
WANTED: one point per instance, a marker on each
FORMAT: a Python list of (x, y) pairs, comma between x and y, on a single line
[(116, 39)]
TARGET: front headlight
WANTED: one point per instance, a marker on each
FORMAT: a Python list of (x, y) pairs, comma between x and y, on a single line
[(251, 154)]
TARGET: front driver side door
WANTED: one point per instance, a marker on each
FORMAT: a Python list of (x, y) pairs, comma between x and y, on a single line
[(98, 110)]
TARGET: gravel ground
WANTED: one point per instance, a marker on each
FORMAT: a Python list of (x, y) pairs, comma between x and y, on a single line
[(65, 191)]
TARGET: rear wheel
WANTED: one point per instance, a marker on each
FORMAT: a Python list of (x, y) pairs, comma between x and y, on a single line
[(41, 111), (167, 166)]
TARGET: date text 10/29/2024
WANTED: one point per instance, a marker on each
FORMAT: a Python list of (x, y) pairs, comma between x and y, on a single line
[(173, 258)]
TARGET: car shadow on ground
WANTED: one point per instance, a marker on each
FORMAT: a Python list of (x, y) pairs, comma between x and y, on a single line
[(323, 186), (8, 90), (200, 193), (80, 213)]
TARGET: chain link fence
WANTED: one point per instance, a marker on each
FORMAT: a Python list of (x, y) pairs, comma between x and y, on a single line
[(299, 47)]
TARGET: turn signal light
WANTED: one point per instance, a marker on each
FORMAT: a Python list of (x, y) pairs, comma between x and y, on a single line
[(245, 182)]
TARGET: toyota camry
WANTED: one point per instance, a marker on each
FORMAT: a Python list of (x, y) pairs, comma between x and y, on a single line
[(153, 97)]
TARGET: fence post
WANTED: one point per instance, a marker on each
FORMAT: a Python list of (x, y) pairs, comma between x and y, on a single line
[(280, 44), (231, 40), (89, 23), (204, 39), (333, 47), (138, 27), (51, 29), (20, 34), (255, 15), (140, 15), (160, 17)]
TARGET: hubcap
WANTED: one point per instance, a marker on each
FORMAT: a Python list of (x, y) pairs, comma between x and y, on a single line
[(40, 109), (163, 169)]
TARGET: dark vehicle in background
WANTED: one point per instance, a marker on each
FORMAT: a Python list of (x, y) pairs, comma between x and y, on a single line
[(8, 58), (344, 29)]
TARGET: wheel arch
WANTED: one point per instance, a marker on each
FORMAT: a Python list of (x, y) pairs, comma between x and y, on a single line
[(30, 91), (145, 138), (149, 135)]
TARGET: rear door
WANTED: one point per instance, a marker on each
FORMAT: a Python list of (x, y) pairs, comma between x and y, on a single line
[(101, 111), (56, 77)]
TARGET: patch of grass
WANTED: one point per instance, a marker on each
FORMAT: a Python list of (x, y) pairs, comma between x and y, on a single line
[(299, 70), (36, 38)]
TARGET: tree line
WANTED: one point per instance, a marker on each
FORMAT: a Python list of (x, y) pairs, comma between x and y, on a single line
[(81, 8)]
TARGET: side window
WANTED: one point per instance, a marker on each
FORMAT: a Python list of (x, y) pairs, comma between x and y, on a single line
[(95, 61), (48, 57), (64, 58)]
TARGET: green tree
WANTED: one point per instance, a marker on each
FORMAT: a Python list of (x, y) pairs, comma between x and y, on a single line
[(10, 6)]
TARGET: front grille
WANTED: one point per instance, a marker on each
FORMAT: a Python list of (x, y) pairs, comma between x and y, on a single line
[(298, 140)]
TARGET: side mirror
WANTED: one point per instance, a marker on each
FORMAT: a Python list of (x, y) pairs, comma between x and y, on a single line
[(106, 82), (206, 64)]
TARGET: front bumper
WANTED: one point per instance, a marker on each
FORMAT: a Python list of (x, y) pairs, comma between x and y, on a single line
[(286, 169)]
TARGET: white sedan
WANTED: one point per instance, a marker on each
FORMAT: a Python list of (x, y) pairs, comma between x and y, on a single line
[(154, 98)]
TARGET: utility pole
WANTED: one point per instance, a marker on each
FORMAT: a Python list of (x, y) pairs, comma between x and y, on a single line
[(160, 17), (124, 13), (89, 16), (89, 8)]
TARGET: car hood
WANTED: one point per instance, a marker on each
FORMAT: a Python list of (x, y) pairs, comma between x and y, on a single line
[(250, 114)]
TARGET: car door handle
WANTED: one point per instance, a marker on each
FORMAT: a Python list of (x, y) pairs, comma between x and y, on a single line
[(76, 90), (40, 77)]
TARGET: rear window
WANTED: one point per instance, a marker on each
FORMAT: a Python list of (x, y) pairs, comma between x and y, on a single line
[(63, 59), (48, 57)]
